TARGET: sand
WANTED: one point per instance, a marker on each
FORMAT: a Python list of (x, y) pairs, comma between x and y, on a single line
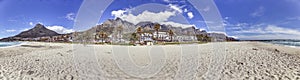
[(227, 60)]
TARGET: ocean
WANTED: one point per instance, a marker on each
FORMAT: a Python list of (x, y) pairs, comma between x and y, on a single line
[(8, 44), (292, 43)]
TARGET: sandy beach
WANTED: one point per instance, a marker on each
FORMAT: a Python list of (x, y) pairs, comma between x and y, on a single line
[(227, 60)]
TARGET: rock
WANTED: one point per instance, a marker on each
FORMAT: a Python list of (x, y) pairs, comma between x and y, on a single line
[(276, 50), (239, 63), (60, 54), (30, 72), (69, 51), (254, 49)]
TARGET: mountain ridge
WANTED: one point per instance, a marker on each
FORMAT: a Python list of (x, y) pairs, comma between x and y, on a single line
[(110, 27)]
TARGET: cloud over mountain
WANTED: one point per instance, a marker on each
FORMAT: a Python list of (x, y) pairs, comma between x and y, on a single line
[(60, 29), (160, 17)]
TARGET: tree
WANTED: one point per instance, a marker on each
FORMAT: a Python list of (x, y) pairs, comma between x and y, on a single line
[(133, 37), (102, 35), (200, 37), (157, 27), (171, 33), (139, 30), (207, 38), (203, 38), (66, 38), (120, 30)]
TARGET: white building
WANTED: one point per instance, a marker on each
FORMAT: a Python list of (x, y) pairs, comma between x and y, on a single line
[(162, 36)]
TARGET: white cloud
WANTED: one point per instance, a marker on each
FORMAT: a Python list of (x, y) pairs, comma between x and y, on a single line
[(160, 17), (235, 26), (252, 31), (175, 1), (25, 29), (226, 18), (31, 23), (276, 29), (235, 37), (12, 30), (269, 32), (205, 21), (258, 12), (40, 23), (177, 24), (270, 29), (119, 13), (185, 10), (294, 18), (267, 36), (147, 16), (190, 15), (176, 8), (242, 24), (70, 16), (60, 29), (167, 1)]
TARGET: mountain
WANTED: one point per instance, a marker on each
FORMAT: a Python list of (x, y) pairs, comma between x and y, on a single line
[(111, 26), (177, 30), (38, 31)]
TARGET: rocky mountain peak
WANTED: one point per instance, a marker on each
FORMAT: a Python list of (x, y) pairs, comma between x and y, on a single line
[(39, 26), (39, 30), (118, 19)]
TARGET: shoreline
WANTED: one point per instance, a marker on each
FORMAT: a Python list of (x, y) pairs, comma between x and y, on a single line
[(20, 43)]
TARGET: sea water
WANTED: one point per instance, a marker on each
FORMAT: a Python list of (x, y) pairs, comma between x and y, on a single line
[(292, 43), (8, 44)]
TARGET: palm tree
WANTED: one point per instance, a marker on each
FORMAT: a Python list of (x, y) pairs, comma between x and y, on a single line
[(133, 37), (120, 30), (102, 35), (66, 37), (207, 38), (157, 27), (171, 33), (139, 30), (200, 37)]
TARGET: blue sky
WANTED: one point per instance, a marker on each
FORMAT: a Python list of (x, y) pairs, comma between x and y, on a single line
[(245, 19)]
